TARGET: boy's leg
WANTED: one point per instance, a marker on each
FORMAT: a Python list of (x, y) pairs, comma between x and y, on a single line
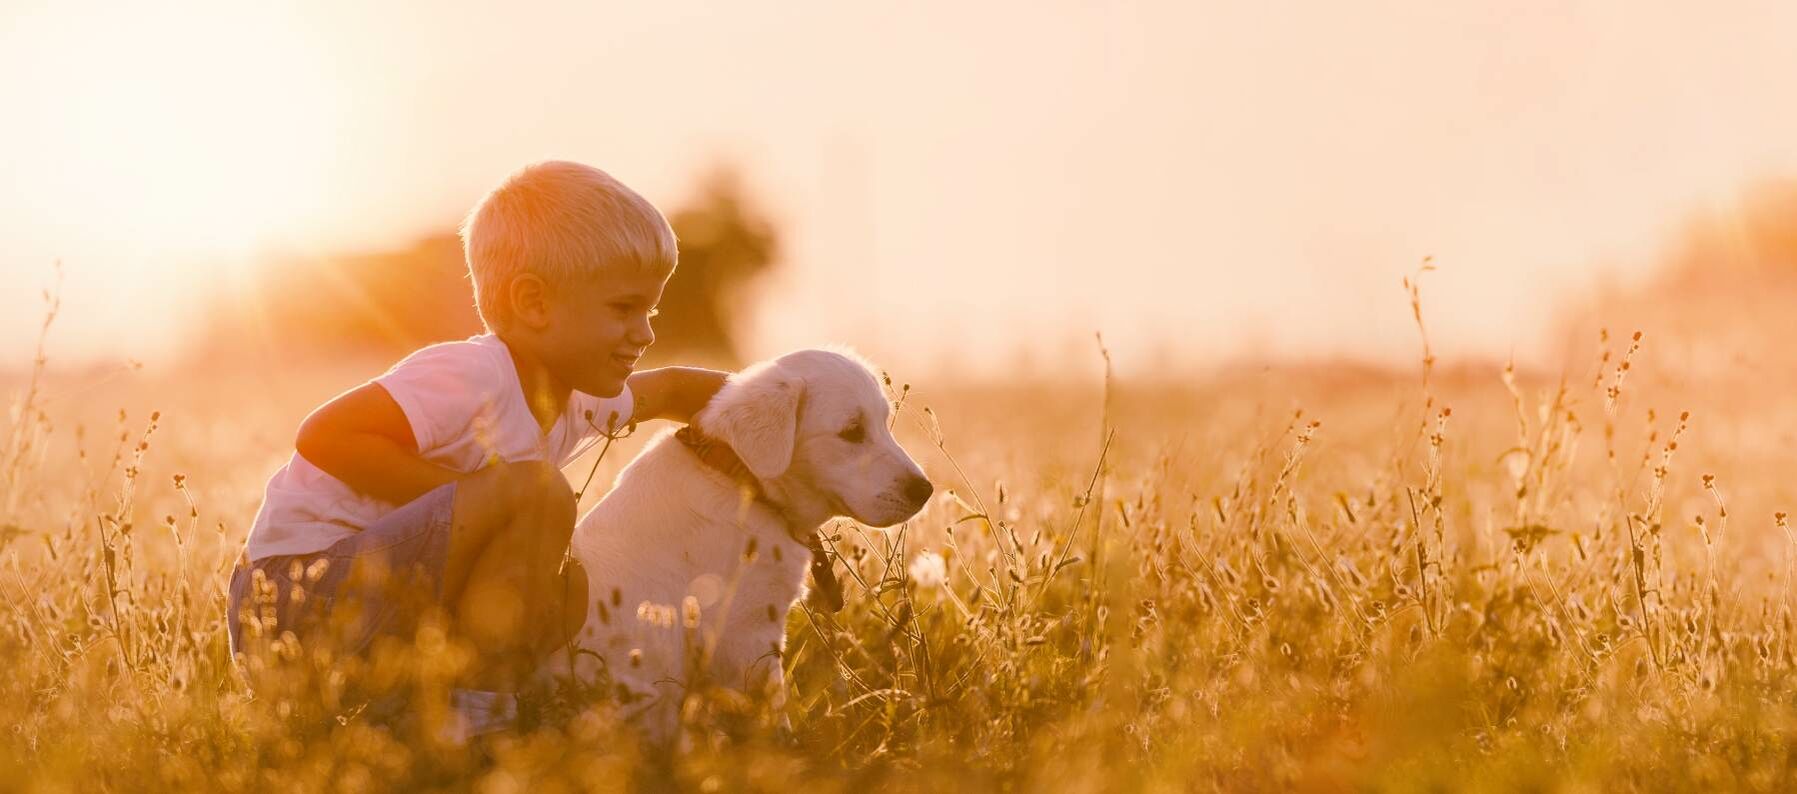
[(512, 523)]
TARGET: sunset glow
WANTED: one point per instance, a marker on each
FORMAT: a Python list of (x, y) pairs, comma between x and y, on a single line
[(1214, 181), (197, 137)]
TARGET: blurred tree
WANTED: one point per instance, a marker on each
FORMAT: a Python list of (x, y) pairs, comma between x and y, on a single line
[(383, 305), (1757, 237), (1717, 306), (370, 305), (725, 244)]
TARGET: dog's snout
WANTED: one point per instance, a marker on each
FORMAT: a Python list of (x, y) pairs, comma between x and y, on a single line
[(918, 490)]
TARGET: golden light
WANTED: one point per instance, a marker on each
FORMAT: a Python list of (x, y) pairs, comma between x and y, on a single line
[(191, 138)]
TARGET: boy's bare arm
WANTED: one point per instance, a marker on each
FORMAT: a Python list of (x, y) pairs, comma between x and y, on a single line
[(673, 392), (362, 437)]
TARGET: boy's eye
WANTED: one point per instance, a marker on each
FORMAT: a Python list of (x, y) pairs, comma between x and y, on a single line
[(854, 434), (626, 308)]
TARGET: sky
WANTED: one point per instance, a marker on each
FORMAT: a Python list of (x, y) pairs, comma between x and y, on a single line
[(983, 184)]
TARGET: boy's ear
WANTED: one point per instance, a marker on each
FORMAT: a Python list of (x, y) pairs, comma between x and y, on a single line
[(758, 416), (528, 298)]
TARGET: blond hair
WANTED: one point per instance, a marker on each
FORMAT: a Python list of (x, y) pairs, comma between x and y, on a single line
[(562, 221)]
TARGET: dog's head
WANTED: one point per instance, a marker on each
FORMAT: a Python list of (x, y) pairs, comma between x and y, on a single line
[(812, 426)]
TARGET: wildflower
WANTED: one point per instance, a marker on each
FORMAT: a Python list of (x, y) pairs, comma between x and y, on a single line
[(1516, 463), (929, 570)]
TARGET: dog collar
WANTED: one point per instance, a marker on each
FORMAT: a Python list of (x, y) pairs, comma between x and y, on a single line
[(720, 457)]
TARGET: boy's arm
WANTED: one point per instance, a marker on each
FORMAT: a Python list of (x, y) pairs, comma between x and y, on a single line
[(673, 392), (362, 438)]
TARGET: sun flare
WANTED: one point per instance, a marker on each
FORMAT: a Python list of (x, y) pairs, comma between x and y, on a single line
[(200, 136)]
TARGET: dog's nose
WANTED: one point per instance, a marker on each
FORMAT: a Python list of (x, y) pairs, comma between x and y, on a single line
[(918, 490)]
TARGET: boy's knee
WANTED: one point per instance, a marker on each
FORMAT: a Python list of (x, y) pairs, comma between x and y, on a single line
[(554, 505), (534, 486)]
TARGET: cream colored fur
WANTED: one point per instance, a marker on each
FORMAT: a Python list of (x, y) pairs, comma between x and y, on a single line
[(674, 535)]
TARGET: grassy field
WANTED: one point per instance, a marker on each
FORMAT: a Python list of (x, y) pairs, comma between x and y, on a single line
[(1317, 578)]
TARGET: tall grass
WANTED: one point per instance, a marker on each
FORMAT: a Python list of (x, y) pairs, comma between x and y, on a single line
[(1314, 580)]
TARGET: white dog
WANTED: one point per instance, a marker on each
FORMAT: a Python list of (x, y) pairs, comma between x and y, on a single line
[(700, 549)]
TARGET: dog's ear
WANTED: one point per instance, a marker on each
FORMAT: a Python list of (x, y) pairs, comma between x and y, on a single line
[(757, 414)]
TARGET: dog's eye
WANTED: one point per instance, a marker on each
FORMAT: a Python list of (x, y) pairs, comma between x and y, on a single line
[(854, 434)]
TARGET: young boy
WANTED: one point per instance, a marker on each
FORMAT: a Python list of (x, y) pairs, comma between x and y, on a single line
[(436, 488)]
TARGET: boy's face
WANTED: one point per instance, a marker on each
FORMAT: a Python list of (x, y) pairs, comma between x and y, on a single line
[(598, 327)]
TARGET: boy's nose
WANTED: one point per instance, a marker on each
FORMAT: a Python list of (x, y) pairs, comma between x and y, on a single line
[(642, 334)]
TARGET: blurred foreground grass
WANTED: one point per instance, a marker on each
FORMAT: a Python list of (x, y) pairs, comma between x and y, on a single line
[(1313, 578)]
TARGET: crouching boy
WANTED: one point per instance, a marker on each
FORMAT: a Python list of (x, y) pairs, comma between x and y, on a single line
[(432, 496)]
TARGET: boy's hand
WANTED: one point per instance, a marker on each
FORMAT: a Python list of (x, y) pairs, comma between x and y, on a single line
[(675, 393), (362, 437)]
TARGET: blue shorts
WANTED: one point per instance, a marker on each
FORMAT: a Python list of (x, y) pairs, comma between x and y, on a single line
[(378, 582)]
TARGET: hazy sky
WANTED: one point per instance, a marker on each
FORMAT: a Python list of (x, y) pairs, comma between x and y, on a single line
[(982, 178)]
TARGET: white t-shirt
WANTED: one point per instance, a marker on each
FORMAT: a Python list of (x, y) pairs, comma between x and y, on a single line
[(466, 406)]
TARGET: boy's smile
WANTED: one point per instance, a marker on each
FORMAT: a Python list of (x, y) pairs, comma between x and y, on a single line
[(600, 329)]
